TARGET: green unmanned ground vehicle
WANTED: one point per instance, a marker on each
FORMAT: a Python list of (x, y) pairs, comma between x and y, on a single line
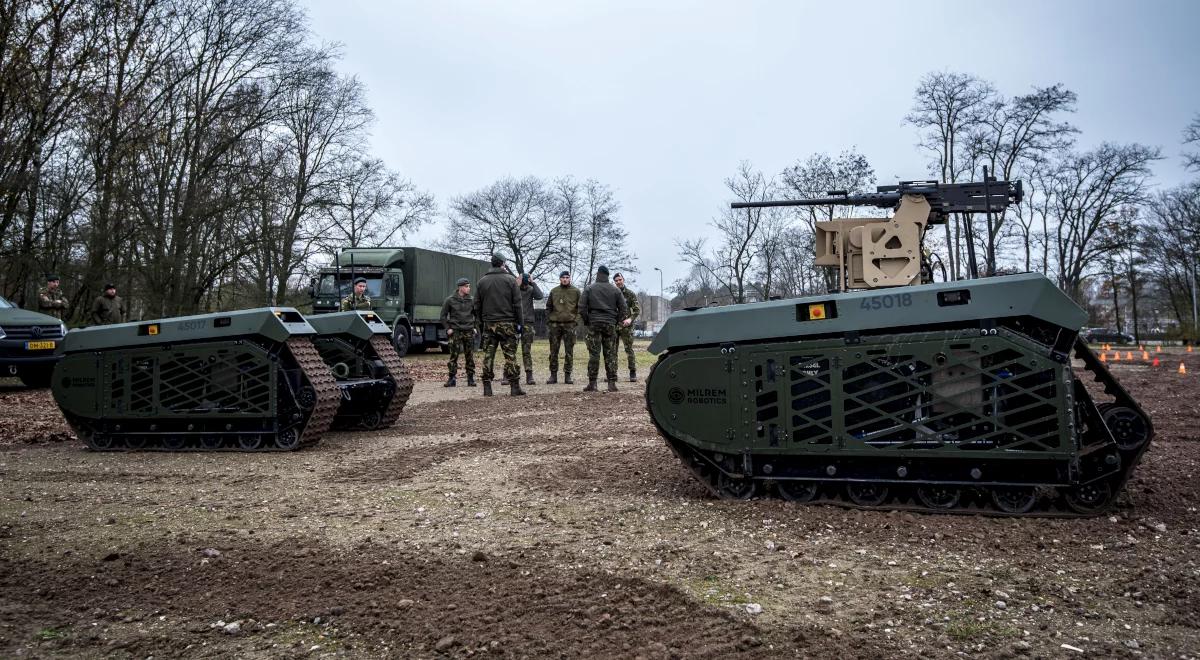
[(374, 383), (251, 380), (897, 392)]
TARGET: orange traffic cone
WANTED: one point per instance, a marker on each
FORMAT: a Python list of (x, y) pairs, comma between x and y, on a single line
[(1145, 355), (1158, 349), (1103, 357), (1189, 348), (1155, 363), (1129, 355), (1116, 356), (1107, 347), (1182, 369)]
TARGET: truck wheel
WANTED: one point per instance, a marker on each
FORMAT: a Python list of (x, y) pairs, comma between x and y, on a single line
[(400, 339), (36, 377)]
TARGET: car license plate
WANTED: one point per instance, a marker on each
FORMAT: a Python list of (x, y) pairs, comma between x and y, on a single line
[(38, 345)]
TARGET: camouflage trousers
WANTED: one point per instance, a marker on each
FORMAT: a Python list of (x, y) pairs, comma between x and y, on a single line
[(562, 334), (504, 336), (462, 342), (526, 348), (602, 337), (625, 334)]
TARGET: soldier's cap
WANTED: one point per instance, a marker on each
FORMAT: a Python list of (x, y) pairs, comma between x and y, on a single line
[(498, 260), (360, 279), (462, 281), (52, 278), (110, 285), (602, 270), (565, 273)]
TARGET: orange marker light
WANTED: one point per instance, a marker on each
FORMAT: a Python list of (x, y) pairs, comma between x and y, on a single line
[(152, 330), (816, 312)]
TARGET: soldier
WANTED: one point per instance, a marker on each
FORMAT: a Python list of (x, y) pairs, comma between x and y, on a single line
[(458, 315), (625, 331), (530, 292), (498, 308), (562, 316), (603, 308), (51, 299), (359, 299), (108, 308)]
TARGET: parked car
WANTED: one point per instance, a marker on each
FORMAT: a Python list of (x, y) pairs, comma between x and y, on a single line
[(27, 344), (1107, 336)]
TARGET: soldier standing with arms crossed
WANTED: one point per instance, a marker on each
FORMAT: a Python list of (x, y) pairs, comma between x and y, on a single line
[(603, 309), (51, 299), (458, 316), (624, 331), (498, 308), (359, 299), (530, 292), (562, 316)]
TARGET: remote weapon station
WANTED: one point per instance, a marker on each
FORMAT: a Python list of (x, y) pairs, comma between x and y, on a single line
[(894, 391)]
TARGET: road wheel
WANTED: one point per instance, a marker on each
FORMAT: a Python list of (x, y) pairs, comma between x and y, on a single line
[(939, 497), (1014, 499), (867, 494), (734, 488), (799, 490), (400, 339)]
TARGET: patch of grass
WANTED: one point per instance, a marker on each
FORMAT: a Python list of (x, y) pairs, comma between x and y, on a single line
[(540, 351), (48, 634)]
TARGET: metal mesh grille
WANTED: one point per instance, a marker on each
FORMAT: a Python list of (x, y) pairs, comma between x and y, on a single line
[(811, 399), (206, 381)]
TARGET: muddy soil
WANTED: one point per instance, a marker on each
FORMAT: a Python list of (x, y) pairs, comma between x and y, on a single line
[(560, 525)]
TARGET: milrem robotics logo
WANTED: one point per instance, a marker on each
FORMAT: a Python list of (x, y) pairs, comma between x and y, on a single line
[(697, 395)]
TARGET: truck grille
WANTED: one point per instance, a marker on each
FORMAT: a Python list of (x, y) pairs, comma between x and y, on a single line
[(34, 332)]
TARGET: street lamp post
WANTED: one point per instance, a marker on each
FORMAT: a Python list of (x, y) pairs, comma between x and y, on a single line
[(660, 293)]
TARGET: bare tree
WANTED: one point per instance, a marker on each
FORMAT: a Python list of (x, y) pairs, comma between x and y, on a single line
[(1191, 137), (517, 216), (371, 205), (946, 108), (1088, 190), (603, 240)]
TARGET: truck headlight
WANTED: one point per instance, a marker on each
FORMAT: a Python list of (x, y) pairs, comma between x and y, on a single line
[(2, 335)]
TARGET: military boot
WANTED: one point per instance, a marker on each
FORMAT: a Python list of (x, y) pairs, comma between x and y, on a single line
[(451, 382), (567, 379), (553, 380), (470, 380), (591, 386), (612, 386), (516, 387), (487, 388), (633, 375), (529, 378)]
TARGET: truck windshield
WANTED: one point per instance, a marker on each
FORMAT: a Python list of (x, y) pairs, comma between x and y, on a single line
[(326, 287)]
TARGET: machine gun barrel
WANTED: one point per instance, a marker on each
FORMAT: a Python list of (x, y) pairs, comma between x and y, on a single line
[(881, 199)]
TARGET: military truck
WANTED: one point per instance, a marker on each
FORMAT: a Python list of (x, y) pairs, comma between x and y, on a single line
[(27, 344), (407, 286)]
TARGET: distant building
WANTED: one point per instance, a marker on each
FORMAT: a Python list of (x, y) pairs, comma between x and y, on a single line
[(655, 309)]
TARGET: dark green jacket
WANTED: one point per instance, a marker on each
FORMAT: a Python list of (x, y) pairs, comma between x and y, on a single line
[(602, 303), (497, 298), (107, 310), (528, 295), (563, 305), (458, 312)]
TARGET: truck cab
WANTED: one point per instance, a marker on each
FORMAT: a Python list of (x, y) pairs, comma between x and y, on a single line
[(406, 285)]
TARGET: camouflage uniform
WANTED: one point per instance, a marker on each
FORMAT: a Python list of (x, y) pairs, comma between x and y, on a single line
[(625, 332), (504, 336), (458, 314), (53, 303), (602, 337), (562, 314), (354, 302), (529, 293)]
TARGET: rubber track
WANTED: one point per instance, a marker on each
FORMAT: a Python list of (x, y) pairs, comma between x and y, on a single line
[(386, 352), (1045, 509), (321, 379)]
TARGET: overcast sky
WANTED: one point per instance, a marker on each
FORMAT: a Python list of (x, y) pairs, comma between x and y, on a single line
[(662, 103)]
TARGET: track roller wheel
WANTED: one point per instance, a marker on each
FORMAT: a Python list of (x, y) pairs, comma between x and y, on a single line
[(212, 441), (100, 442), (287, 439), (867, 494), (370, 420), (1089, 498), (1127, 426), (936, 496), (799, 490), (174, 442), (250, 441), (734, 488), (1014, 499), (135, 442)]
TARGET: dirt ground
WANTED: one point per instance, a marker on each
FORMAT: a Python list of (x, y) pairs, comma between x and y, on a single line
[(560, 525)]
